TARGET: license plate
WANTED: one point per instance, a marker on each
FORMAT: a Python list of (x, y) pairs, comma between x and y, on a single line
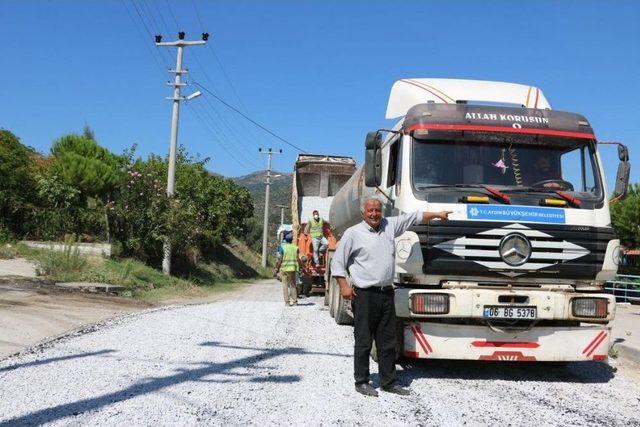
[(502, 312)]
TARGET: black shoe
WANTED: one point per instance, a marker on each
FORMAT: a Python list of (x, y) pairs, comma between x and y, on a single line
[(396, 389), (366, 389)]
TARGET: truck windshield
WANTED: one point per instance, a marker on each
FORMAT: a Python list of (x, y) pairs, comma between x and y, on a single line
[(524, 168)]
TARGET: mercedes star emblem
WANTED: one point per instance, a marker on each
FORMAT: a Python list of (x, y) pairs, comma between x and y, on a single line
[(515, 249), (403, 249)]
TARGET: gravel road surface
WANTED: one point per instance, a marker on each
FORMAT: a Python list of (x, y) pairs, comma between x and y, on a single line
[(248, 359)]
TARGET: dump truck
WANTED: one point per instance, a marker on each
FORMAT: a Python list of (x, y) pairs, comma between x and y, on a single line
[(518, 271), (316, 180)]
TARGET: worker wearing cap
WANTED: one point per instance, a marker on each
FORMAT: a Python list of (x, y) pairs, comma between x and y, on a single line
[(366, 253), (290, 264), (315, 228)]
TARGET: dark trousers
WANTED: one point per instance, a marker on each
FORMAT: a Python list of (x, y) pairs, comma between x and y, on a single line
[(374, 318)]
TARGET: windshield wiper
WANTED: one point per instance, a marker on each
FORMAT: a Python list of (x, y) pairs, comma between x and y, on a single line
[(548, 190), (495, 193)]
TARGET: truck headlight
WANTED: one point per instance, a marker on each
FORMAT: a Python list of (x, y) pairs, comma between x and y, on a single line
[(430, 303), (589, 307)]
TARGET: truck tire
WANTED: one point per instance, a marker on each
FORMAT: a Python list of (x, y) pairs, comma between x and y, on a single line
[(333, 291), (342, 315), (327, 294)]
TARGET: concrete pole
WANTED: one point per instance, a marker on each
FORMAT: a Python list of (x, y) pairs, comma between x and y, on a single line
[(282, 208), (175, 114), (171, 176), (265, 223)]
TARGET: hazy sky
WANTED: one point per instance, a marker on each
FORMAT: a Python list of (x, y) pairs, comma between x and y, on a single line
[(317, 73)]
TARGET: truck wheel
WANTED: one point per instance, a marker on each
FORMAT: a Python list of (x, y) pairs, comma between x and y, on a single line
[(342, 315), (332, 297), (326, 292)]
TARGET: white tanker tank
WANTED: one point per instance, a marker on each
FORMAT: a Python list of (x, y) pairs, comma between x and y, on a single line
[(345, 207)]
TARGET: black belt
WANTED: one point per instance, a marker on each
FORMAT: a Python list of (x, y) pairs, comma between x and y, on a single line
[(376, 288)]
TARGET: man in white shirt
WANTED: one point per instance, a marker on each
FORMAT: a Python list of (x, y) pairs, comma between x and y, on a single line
[(366, 253)]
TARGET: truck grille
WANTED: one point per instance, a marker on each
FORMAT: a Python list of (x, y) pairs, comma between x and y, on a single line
[(474, 249)]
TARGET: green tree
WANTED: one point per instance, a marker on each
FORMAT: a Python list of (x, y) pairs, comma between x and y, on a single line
[(17, 187), (204, 212), (625, 216), (85, 165), (87, 170)]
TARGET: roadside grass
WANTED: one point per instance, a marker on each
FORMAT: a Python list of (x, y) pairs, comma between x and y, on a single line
[(234, 265)]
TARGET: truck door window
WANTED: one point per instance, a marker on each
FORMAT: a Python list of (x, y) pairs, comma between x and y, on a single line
[(399, 168), (577, 169), (393, 163)]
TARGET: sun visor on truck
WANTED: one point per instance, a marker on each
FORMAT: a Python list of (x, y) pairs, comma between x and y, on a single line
[(406, 93), (425, 119)]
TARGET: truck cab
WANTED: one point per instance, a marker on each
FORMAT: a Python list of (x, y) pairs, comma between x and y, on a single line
[(518, 270)]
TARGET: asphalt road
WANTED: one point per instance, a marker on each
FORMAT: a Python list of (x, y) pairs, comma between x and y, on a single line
[(248, 359)]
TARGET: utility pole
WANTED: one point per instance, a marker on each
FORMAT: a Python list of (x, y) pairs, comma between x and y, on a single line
[(282, 208), (269, 152), (181, 43)]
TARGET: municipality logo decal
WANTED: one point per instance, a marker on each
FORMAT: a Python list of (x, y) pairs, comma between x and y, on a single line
[(516, 213)]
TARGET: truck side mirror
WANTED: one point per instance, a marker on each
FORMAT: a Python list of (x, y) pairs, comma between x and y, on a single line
[(622, 178), (623, 153), (373, 160)]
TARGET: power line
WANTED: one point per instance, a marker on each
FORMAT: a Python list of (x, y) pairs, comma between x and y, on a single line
[(227, 124), (152, 19), (220, 65), (224, 71), (224, 134), (144, 23), (171, 13), (249, 118), (164, 23), (135, 24), (207, 125)]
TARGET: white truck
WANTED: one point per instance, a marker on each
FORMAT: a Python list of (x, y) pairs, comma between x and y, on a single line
[(518, 271)]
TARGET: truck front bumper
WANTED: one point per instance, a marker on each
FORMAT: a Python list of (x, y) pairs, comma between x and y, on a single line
[(427, 340)]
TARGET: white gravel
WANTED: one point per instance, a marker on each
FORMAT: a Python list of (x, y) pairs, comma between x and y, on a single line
[(251, 360)]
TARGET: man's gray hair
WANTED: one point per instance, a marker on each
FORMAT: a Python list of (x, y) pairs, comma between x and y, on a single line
[(369, 199)]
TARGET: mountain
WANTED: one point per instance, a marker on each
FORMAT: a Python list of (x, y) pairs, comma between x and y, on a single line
[(280, 194)]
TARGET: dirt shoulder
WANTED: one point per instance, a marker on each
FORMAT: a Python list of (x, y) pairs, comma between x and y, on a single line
[(32, 311)]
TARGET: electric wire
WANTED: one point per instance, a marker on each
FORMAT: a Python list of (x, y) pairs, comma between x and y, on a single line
[(218, 61), (241, 144), (144, 6), (144, 23), (172, 14), (220, 65), (204, 114), (161, 68), (164, 23), (227, 123), (270, 132), (208, 126)]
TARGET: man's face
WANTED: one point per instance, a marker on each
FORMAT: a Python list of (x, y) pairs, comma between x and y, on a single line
[(542, 164), (372, 214)]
